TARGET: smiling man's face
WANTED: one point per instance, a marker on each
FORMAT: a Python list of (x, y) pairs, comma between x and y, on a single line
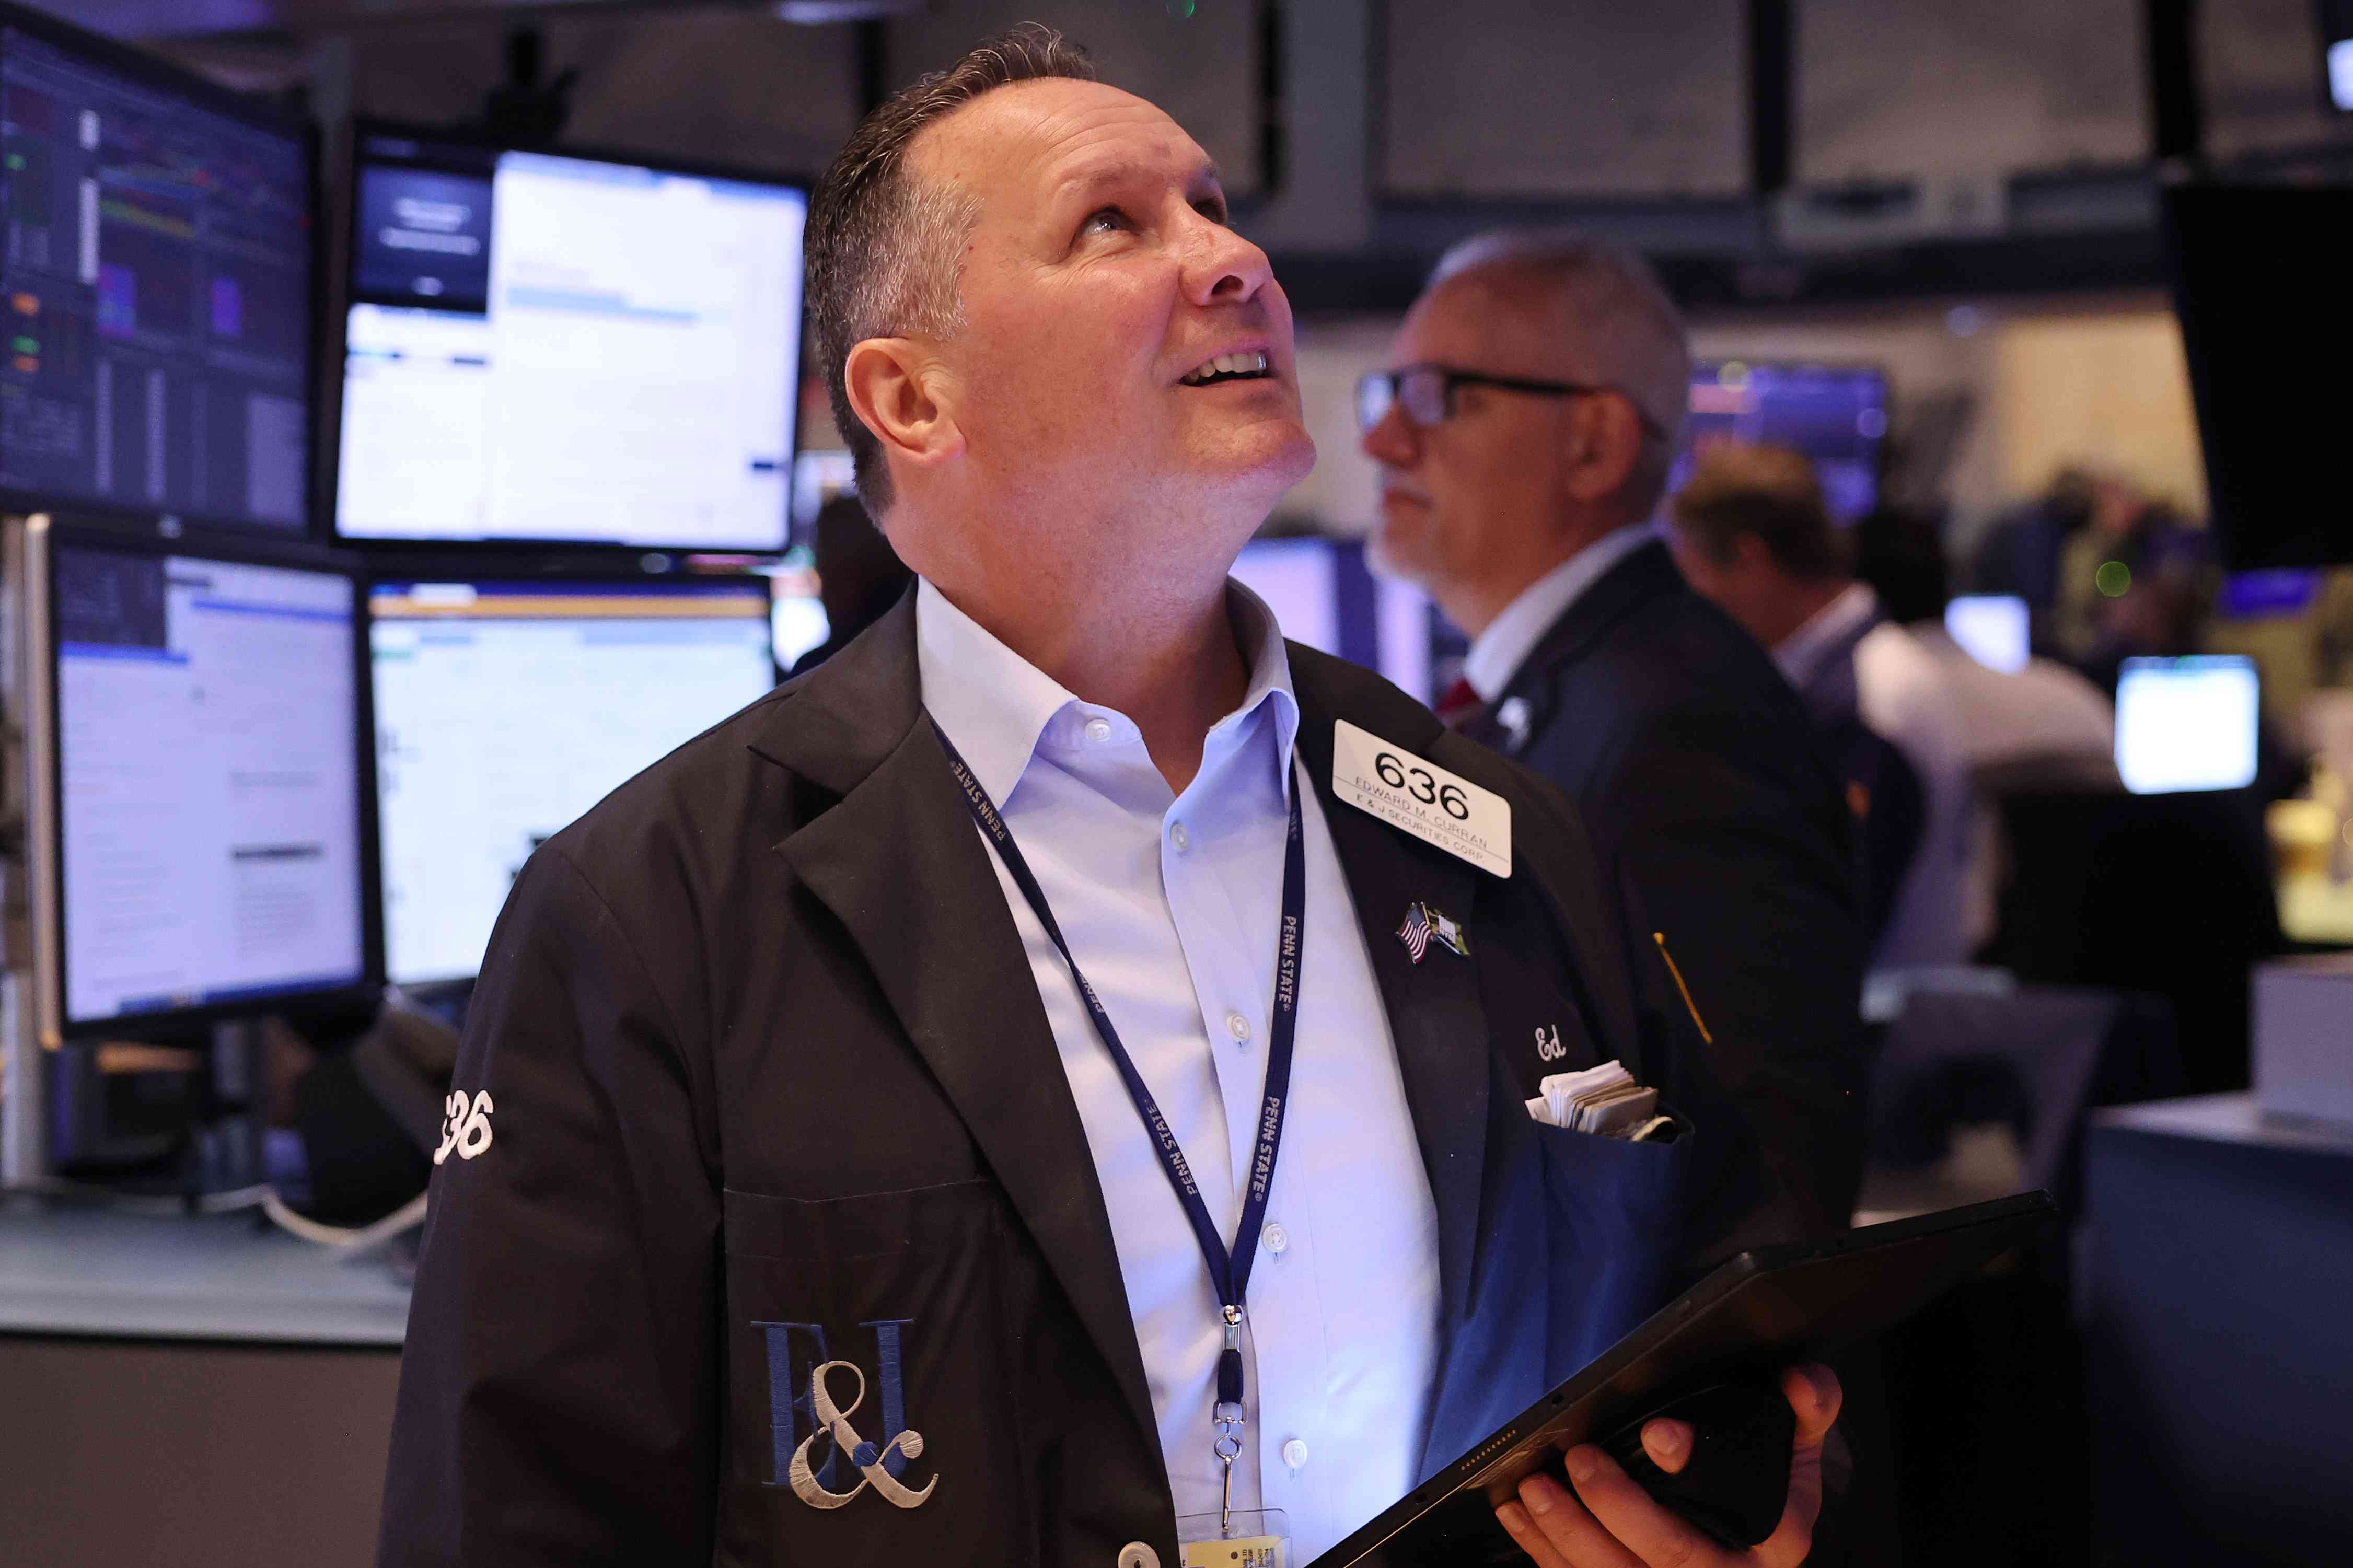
[(1124, 353)]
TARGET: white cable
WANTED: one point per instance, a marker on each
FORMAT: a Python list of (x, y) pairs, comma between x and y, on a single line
[(408, 1217)]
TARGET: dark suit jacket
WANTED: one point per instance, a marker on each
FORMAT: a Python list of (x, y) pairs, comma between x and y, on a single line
[(1699, 776), (772, 1087)]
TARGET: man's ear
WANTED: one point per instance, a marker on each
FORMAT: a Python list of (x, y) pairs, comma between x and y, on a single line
[(902, 395), (1605, 444)]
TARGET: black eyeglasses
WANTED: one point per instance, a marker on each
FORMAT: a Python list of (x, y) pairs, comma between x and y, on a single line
[(1426, 393)]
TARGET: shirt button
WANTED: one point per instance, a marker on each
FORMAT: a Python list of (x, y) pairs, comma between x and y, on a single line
[(1275, 1238), (1179, 837), (1238, 1027), (1294, 1454), (1136, 1554), (1098, 731)]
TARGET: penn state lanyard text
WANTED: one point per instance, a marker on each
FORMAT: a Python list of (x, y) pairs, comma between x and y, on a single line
[(1229, 1271)]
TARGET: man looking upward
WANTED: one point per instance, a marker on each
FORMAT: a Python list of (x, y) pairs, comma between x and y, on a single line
[(1525, 438), (823, 1213)]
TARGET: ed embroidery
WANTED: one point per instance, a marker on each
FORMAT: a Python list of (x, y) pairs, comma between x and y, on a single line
[(801, 1405), (465, 1125)]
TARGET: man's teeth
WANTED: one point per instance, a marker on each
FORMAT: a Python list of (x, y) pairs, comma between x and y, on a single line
[(1250, 364)]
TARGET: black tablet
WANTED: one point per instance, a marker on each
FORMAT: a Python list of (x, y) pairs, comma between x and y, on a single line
[(1755, 1313)]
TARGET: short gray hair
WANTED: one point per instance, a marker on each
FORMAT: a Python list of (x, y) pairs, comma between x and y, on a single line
[(883, 247), (1629, 331)]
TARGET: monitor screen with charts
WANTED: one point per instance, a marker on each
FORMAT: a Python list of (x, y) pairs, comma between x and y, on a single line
[(546, 348), (155, 288), (1835, 415), (1324, 595), (505, 710), (208, 778), (2188, 723)]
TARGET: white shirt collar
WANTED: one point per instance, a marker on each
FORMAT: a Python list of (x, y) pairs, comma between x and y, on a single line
[(999, 709), (1800, 654), (1497, 653)]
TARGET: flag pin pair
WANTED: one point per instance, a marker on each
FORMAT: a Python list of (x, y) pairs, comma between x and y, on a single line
[(1424, 925)]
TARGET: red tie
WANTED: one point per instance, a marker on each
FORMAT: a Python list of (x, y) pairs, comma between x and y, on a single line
[(1459, 705)]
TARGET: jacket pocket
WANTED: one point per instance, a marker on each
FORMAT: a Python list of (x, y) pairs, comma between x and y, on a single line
[(1615, 1238), (873, 1407)]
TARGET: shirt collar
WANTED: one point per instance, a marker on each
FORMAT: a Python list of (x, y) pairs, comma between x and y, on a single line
[(999, 710), (1801, 653), (1497, 653)]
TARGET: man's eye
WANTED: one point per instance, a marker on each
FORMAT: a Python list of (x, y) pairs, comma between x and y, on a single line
[(1110, 220)]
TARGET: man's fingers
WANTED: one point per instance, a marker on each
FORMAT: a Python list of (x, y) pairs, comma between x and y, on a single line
[(1550, 1525), (1621, 1509), (1814, 1394), (1513, 1518), (1669, 1444)]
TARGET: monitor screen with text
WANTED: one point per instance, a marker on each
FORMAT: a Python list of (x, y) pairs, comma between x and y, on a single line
[(209, 776), (155, 290), (547, 348), (505, 710)]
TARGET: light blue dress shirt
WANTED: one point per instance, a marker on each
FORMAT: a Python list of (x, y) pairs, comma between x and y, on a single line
[(1170, 904)]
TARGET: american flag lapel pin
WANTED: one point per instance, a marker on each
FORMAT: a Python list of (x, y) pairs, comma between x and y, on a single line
[(1415, 933)]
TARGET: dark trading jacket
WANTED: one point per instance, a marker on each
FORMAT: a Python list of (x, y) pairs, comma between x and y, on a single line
[(771, 1086), (1697, 773)]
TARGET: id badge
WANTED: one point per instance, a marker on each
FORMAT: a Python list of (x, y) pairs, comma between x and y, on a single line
[(1256, 1538)]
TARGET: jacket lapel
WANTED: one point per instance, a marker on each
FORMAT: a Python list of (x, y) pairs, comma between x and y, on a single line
[(1434, 1009), (898, 862), (1646, 573)]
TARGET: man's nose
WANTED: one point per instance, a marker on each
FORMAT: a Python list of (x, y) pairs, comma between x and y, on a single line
[(1391, 440), (1224, 268)]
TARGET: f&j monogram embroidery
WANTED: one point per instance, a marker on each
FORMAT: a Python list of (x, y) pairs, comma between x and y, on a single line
[(812, 1438)]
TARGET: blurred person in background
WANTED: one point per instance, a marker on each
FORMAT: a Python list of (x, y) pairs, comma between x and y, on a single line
[(858, 577), (1525, 435), (2042, 724), (1751, 531), (2061, 552)]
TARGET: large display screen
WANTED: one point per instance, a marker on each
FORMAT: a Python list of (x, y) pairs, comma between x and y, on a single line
[(156, 293), (1323, 596), (208, 780), (1836, 415), (550, 348), (505, 710), (2188, 723)]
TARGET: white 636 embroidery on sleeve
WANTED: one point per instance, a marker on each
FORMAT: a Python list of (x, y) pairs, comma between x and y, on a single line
[(465, 1125)]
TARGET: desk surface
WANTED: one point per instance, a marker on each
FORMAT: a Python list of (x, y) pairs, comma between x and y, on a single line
[(2226, 1118), (67, 1271)]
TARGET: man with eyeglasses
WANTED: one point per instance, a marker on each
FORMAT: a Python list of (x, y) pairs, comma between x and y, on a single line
[(1524, 438)]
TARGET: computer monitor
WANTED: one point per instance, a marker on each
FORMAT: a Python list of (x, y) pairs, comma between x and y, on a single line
[(198, 763), (1324, 594), (2187, 723), (542, 347), (504, 709), (2337, 53), (2267, 322), (156, 288), (1835, 415), (1995, 629)]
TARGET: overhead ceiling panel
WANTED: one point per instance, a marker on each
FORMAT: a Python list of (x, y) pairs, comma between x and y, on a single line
[(1535, 99), (1898, 88), (1202, 67)]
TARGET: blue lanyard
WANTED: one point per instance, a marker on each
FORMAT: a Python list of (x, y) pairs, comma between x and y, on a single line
[(1229, 1270)]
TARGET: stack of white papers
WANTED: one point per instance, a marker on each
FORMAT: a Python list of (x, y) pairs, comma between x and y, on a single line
[(1604, 1099)]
